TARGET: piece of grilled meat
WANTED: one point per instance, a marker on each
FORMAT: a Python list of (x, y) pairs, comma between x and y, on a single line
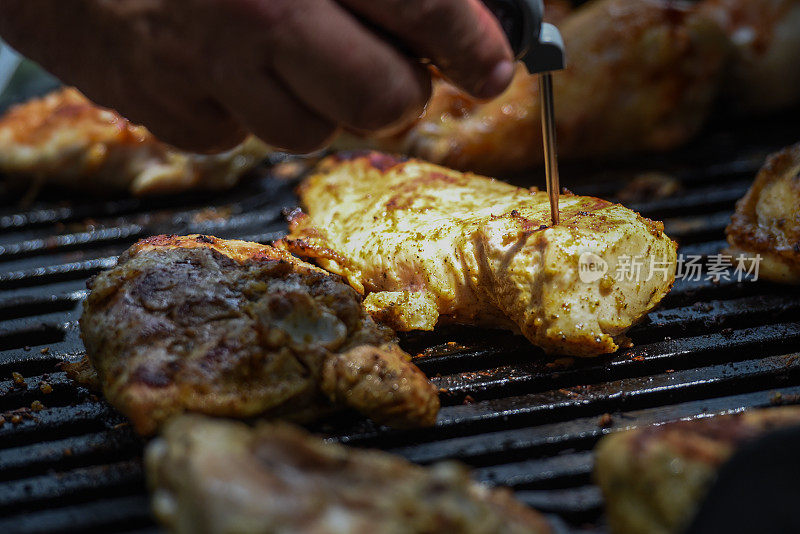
[(428, 244), (240, 329), (215, 476), (653, 479), (767, 219), (762, 74), (67, 140), (641, 75), (555, 11)]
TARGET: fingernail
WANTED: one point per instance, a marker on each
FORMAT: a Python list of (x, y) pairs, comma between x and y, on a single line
[(498, 80)]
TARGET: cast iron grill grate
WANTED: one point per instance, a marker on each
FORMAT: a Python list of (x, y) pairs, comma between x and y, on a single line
[(520, 419)]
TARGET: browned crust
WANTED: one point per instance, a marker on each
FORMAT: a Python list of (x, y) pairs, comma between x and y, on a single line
[(409, 397), (303, 233), (240, 251), (170, 333), (778, 240), (34, 122), (419, 189), (83, 373)]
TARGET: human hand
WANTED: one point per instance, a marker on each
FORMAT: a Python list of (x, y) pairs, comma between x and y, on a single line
[(201, 74)]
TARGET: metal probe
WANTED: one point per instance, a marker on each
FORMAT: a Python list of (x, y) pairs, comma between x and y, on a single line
[(549, 137), (547, 55), (542, 48)]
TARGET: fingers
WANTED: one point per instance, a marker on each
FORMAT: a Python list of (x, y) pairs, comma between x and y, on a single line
[(291, 70), (461, 37), (203, 128), (194, 123), (269, 111), (337, 67)]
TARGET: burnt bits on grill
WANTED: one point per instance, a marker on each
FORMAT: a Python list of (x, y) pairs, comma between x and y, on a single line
[(211, 475), (653, 479), (239, 329), (767, 219)]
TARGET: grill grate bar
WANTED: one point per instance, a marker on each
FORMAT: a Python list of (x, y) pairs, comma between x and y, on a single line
[(125, 235), (584, 502), (578, 394), (57, 321), (79, 484), (260, 191), (61, 392), (698, 228), (525, 423), (595, 399), (542, 472), (695, 201), (35, 361), (579, 433), (68, 453), (61, 422), (759, 339), (78, 270), (103, 515), (594, 386), (32, 305)]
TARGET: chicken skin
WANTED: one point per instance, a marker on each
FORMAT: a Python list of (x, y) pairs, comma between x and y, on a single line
[(767, 219), (65, 139), (239, 329), (641, 75), (213, 476), (427, 244), (653, 479), (763, 74)]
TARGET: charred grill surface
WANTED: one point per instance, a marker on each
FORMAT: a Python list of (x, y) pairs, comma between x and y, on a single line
[(522, 419)]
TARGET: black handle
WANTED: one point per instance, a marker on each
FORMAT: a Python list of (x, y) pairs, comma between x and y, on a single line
[(521, 21)]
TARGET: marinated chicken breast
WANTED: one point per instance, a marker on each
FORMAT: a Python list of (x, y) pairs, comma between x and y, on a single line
[(238, 329), (763, 74), (65, 139), (213, 476), (427, 244), (767, 219), (653, 479), (641, 75)]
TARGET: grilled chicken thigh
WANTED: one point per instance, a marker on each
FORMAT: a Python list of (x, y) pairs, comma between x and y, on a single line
[(763, 74), (767, 219), (239, 329), (425, 243), (212, 476), (641, 75), (65, 139), (653, 479)]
